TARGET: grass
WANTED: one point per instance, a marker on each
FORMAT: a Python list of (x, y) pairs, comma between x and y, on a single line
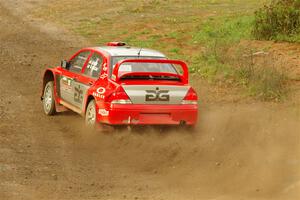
[(202, 33), (268, 84), (295, 38), (218, 63)]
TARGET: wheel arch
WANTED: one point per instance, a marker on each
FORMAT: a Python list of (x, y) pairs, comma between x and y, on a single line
[(89, 98), (48, 76)]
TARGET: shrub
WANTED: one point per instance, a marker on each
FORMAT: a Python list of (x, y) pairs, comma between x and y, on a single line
[(268, 84), (280, 18)]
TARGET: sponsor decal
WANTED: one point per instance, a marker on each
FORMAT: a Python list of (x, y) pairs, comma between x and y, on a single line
[(93, 65), (103, 76), (66, 83), (78, 94), (104, 67), (101, 96), (157, 95), (99, 92), (103, 112)]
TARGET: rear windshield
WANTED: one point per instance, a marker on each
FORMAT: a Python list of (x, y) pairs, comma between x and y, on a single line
[(142, 67)]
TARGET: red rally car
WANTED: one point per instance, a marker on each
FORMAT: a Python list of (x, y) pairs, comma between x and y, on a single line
[(121, 85)]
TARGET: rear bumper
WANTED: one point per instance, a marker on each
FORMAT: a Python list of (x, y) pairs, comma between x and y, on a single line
[(150, 115)]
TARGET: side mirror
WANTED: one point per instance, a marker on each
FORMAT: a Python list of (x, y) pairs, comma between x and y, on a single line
[(65, 64)]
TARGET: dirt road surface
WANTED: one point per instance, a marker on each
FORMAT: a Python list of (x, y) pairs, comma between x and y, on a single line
[(240, 150)]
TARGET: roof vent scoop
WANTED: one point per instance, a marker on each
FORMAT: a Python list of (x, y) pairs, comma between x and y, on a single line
[(116, 44)]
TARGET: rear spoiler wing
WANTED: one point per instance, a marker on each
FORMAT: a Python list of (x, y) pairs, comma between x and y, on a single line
[(184, 77)]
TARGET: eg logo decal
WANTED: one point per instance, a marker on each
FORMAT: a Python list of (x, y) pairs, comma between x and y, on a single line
[(157, 95)]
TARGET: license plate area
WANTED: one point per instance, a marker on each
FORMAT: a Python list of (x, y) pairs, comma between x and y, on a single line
[(154, 116)]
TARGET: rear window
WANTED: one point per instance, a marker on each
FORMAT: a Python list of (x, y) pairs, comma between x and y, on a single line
[(142, 67)]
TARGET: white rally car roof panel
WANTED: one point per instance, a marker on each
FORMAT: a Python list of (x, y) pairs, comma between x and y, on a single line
[(129, 51)]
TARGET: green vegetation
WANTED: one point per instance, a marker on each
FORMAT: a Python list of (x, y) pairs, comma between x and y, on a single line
[(268, 84), (224, 62), (205, 34), (218, 36), (278, 21)]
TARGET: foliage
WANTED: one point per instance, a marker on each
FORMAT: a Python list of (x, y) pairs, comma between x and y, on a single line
[(223, 62), (280, 20)]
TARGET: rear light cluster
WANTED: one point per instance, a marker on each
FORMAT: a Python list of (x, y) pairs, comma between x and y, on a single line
[(190, 97), (119, 97)]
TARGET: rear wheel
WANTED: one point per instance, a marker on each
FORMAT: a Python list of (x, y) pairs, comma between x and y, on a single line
[(90, 114), (48, 99)]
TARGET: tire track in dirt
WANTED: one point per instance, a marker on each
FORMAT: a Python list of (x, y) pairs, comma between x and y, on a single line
[(29, 151)]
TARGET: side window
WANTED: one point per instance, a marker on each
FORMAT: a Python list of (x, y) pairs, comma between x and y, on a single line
[(93, 67), (77, 63)]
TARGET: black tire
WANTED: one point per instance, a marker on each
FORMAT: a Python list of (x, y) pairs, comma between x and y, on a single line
[(48, 99), (90, 114)]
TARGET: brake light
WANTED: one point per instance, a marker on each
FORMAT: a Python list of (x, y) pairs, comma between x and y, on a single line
[(119, 97), (116, 44), (190, 97)]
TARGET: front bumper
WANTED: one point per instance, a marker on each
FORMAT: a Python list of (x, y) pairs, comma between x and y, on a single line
[(133, 114)]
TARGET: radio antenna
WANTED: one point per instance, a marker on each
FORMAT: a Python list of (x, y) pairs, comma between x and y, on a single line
[(139, 53)]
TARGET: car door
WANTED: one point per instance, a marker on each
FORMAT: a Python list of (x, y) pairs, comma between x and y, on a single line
[(88, 77), (70, 91)]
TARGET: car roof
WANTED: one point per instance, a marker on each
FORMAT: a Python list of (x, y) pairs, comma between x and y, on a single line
[(128, 51)]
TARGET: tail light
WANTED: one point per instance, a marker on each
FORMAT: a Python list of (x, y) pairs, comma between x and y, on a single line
[(119, 97), (190, 97)]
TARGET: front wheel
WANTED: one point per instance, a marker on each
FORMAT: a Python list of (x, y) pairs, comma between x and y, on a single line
[(90, 114), (48, 99)]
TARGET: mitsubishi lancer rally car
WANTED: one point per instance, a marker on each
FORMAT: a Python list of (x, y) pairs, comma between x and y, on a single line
[(121, 85)]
